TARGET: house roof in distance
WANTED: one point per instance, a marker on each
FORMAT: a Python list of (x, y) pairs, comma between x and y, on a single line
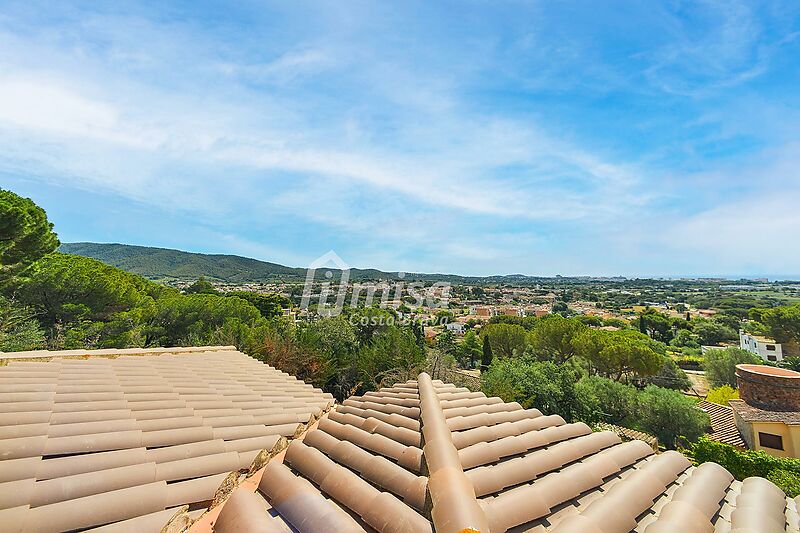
[(426, 456), (127, 437)]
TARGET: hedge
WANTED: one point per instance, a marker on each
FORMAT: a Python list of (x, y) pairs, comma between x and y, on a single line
[(784, 472), (688, 362)]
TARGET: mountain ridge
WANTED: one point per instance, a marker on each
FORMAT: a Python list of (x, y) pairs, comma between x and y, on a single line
[(166, 263)]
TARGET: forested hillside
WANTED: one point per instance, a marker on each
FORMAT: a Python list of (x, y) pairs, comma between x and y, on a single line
[(163, 263)]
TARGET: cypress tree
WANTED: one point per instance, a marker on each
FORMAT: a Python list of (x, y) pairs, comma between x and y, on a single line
[(486, 357)]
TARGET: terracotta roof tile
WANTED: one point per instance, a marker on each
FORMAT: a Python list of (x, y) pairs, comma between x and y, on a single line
[(723, 424), (134, 433), (491, 467)]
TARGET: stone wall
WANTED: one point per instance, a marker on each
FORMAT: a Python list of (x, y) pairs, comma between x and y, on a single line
[(769, 387)]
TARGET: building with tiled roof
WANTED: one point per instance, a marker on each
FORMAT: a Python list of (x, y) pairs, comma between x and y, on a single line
[(424, 456), (128, 438), (723, 424), (767, 414)]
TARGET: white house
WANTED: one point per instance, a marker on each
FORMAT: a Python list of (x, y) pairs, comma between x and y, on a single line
[(455, 327), (766, 349)]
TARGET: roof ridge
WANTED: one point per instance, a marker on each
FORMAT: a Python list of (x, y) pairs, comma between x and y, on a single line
[(113, 352), (455, 507)]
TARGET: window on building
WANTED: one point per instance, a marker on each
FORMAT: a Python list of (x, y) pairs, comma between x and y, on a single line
[(768, 440), (771, 347), (772, 358)]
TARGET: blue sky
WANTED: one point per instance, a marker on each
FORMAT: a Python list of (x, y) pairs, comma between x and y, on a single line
[(475, 137)]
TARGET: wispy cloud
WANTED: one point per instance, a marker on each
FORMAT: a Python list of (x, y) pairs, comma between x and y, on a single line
[(524, 141)]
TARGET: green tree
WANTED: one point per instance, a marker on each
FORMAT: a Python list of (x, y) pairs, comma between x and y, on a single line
[(711, 333), (201, 286), (392, 357), (783, 323), (368, 322), (606, 400), (669, 415), (720, 365), (25, 234), (684, 337), (446, 342), (486, 356), (669, 377), (335, 342), (469, 350), (185, 320), (19, 330), (655, 325), (269, 305), (617, 354), (68, 289), (552, 338), (507, 340), (543, 385)]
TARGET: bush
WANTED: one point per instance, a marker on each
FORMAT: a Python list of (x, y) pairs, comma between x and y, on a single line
[(670, 377), (789, 482), (784, 472), (722, 395), (605, 400), (688, 362), (720, 365), (540, 384), (669, 415)]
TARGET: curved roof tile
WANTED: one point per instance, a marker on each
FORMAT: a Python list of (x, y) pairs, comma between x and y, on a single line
[(428, 456), (120, 438)]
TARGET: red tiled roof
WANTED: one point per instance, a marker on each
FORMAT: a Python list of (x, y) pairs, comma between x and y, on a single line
[(426, 456), (723, 424), (91, 441)]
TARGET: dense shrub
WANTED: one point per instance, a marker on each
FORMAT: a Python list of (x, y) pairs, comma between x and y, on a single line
[(669, 415), (722, 395), (605, 400), (688, 362), (540, 384), (784, 472)]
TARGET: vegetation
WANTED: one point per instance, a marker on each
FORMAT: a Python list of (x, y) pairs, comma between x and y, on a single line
[(507, 340), (560, 389), (783, 472), (722, 395), (720, 365), (25, 234), (552, 339), (543, 385)]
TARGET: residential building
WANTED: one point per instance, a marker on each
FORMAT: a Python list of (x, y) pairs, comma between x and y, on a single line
[(767, 414), (455, 327), (767, 349), (483, 311)]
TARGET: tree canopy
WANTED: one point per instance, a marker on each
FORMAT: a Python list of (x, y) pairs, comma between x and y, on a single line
[(506, 340), (25, 234), (720, 365)]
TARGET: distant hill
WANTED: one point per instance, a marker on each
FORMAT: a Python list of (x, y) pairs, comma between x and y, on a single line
[(166, 264), (163, 263)]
